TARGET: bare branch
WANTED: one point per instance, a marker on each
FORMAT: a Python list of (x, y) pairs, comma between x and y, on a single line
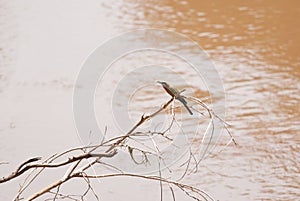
[(142, 120), (109, 153), (77, 166), (182, 186), (21, 169)]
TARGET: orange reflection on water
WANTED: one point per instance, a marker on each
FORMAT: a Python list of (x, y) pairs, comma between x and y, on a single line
[(255, 46), (269, 28)]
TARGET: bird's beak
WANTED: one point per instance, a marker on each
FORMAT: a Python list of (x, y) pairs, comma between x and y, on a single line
[(159, 82)]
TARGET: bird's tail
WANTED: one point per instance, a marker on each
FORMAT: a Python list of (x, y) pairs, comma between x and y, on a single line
[(188, 109), (183, 101)]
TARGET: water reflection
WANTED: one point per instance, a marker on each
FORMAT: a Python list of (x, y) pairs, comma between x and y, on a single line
[(255, 47), (268, 29)]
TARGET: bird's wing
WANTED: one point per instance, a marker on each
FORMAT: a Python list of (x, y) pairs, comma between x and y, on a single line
[(181, 99)]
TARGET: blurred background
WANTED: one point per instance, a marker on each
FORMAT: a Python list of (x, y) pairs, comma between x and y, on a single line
[(254, 45)]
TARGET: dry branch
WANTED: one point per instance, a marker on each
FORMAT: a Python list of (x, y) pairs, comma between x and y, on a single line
[(78, 169), (24, 167)]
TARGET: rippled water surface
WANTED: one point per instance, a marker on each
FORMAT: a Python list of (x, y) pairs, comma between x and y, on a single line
[(255, 48)]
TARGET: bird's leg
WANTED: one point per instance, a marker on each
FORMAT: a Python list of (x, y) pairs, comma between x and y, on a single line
[(177, 95)]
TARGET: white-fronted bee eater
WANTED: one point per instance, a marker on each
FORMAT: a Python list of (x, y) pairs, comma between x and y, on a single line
[(176, 94)]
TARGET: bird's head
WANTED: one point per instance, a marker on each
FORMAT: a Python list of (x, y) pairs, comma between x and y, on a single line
[(163, 83)]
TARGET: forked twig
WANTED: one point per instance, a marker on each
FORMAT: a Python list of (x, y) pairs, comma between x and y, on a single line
[(77, 168)]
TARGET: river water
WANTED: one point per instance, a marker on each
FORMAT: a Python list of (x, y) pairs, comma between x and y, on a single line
[(254, 46)]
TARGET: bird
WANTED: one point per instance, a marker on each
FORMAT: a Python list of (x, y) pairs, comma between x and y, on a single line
[(176, 94)]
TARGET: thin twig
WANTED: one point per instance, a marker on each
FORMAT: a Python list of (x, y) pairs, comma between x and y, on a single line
[(186, 187), (21, 169), (111, 146)]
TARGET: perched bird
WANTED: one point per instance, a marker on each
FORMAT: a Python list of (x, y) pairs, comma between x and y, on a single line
[(176, 94)]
